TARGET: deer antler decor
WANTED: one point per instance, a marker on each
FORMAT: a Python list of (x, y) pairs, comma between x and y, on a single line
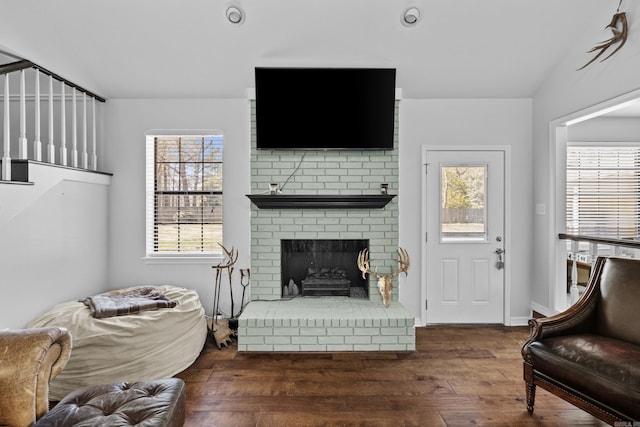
[(385, 281), (619, 36)]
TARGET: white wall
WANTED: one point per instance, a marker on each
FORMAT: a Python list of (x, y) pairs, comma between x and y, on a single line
[(467, 122), (462, 122), (53, 242), (486, 122), (564, 92), (128, 120)]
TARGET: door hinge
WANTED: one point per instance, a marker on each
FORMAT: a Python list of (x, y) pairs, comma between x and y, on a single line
[(426, 237), (426, 304)]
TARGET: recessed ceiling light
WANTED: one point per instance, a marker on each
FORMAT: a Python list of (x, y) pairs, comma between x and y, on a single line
[(410, 16), (235, 15)]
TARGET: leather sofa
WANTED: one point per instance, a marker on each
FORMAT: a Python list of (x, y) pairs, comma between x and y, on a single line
[(30, 358), (589, 355)]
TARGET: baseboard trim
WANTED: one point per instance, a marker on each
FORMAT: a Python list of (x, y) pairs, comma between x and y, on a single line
[(545, 311), (520, 321)]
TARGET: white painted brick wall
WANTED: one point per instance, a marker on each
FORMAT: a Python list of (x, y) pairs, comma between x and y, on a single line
[(321, 172), (331, 172)]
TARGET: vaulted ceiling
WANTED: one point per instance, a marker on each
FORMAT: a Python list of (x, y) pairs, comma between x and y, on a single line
[(187, 48)]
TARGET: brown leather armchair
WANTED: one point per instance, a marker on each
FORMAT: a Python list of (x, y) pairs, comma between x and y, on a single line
[(589, 355), (29, 359)]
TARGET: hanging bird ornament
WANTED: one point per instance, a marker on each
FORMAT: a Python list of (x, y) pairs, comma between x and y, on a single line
[(620, 29)]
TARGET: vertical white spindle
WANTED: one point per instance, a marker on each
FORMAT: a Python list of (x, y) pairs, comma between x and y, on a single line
[(593, 252), (63, 126), (94, 160), (575, 248), (74, 132), (51, 150), (22, 139), (85, 155), (37, 144), (6, 151), (574, 293)]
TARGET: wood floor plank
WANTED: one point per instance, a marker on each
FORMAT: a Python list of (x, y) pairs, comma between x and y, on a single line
[(458, 376), (350, 419)]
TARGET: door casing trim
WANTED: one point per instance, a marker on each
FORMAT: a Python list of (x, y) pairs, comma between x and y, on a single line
[(556, 222)]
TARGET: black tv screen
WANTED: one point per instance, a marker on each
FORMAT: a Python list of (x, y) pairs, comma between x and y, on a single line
[(325, 108)]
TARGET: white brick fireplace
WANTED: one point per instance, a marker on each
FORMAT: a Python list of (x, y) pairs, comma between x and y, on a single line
[(274, 323)]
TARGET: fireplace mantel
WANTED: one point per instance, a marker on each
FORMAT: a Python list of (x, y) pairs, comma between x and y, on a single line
[(314, 201)]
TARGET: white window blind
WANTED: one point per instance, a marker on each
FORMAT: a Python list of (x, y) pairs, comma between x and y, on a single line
[(184, 195), (603, 191)]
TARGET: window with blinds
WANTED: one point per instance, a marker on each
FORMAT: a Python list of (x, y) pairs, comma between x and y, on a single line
[(184, 207), (603, 191)]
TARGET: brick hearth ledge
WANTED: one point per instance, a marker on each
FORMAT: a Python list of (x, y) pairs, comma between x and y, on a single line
[(325, 324)]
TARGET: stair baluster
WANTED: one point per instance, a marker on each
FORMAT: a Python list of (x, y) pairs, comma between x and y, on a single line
[(6, 153), (22, 140), (37, 143), (51, 149)]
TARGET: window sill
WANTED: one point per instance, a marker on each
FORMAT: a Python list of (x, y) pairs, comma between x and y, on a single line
[(183, 259)]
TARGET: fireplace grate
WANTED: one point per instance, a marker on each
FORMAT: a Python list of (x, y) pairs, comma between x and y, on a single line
[(323, 267)]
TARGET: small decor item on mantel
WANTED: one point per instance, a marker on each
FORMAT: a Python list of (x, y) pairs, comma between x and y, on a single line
[(224, 329), (619, 36), (385, 281)]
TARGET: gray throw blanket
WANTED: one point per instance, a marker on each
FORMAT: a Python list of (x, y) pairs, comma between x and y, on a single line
[(133, 301)]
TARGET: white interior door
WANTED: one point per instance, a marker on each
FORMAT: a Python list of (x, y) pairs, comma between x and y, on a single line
[(465, 236)]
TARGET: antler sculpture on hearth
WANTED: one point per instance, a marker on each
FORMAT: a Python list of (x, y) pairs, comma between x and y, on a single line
[(385, 281)]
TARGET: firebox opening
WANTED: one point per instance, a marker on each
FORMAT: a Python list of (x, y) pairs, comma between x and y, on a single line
[(322, 268)]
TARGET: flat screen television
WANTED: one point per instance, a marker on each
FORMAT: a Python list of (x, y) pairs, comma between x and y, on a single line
[(325, 108)]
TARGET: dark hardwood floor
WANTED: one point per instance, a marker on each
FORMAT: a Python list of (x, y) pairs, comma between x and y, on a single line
[(458, 375)]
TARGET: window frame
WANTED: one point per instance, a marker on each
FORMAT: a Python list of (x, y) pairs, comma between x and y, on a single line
[(151, 256)]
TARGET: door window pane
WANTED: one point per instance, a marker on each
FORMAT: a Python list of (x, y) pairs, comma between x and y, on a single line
[(463, 211)]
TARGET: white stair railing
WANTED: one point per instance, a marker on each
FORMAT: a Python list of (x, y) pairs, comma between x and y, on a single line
[(27, 92)]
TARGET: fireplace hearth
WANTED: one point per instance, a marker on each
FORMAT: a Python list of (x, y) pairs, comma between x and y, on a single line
[(322, 267)]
